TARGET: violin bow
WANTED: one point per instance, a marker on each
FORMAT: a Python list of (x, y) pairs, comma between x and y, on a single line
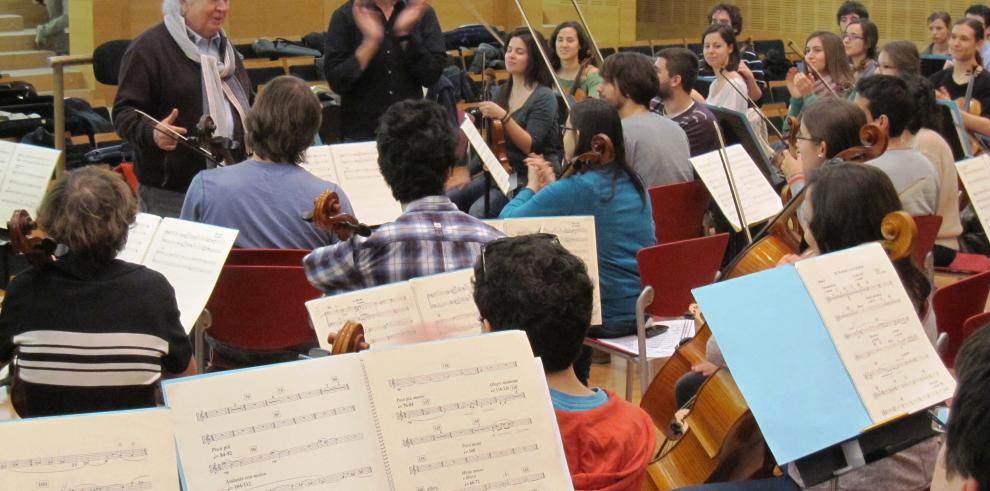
[(481, 20), (160, 127), (543, 54), (587, 30), (732, 183)]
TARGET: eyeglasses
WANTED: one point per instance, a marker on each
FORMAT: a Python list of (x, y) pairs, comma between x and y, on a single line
[(494, 243), (852, 37), (807, 138)]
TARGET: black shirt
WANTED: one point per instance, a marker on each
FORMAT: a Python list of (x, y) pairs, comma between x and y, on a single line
[(981, 88), (394, 73)]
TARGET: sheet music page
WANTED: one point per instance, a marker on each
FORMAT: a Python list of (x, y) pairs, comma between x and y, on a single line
[(466, 413), (190, 255), (299, 425), (975, 176), (876, 331), (759, 201), (121, 451), (499, 176), (576, 234), (660, 346), (26, 181), (360, 178), (388, 314), (139, 238), (446, 304), (319, 162), (6, 155)]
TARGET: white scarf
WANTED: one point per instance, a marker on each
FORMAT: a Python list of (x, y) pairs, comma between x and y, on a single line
[(215, 76)]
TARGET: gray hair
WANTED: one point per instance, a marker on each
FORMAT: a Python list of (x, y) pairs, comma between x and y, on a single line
[(171, 7)]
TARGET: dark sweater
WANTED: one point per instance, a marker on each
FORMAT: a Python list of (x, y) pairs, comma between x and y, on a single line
[(155, 77), (62, 324)]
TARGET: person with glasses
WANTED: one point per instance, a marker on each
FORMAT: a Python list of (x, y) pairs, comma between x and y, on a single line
[(828, 126), (416, 154), (610, 191), (750, 66), (824, 52), (532, 283), (860, 41)]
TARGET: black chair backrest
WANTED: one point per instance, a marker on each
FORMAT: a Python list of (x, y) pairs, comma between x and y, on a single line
[(106, 61)]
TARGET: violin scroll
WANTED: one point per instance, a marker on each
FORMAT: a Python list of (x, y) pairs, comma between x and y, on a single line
[(874, 144), (349, 339), (602, 152), (326, 215), (37, 250), (899, 232)]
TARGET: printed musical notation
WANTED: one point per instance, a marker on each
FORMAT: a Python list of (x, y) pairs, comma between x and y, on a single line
[(39, 464), (449, 374), (281, 454), (479, 457), (975, 176), (282, 423), (484, 402), (273, 401), (322, 480), (127, 486), (505, 483), (757, 197), (494, 429)]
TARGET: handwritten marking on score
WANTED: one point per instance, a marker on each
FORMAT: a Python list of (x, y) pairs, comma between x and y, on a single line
[(128, 486), (494, 428), (288, 452), (494, 454), (327, 479), (455, 406), (505, 483), (74, 459), (248, 430), (274, 401), (448, 374)]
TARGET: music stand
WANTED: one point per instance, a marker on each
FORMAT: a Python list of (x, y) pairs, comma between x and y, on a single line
[(953, 130), (931, 64), (737, 129)]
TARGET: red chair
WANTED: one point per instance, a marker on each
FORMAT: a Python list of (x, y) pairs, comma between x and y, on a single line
[(266, 257), (678, 210), (954, 304), (674, 269), (259, 312), (928, 226), (978, 321)]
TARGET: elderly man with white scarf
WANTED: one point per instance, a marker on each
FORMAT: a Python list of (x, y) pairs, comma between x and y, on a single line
[(176, 72)]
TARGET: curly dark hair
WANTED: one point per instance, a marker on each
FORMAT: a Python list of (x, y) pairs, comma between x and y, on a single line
[(888, 95), (584, 44), (968, 436), (531, 282), (735, 15), (851, 7), (416, 148), (927, 113), (633, 75)]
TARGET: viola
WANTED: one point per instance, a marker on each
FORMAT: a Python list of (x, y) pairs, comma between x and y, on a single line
[(37, 250), (203, 135), (602, 152), (326, 215)]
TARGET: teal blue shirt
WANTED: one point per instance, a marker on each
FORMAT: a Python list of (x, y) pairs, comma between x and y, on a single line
[(623, 226), (568, 402)]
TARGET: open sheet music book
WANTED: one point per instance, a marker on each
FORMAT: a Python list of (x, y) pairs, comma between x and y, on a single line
[(189, 254), (825, 348), (499, 176), (354, 167), (422, 309), (575, 233), (463, 414), (25, 171), (975, 176), (126, 450), (758, 199)]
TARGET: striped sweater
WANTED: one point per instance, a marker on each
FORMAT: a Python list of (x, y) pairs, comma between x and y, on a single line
[(85, 337)]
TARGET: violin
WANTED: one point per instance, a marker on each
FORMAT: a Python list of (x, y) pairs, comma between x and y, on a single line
[(496, 130), (326, 215), (37, 250), (602, 152), (966, 104), (793, 127), (203, 136)]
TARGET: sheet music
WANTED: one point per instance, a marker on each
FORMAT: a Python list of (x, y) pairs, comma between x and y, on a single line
[(659, 346), (120, 451), (975, 176), (360, 178), (446, 304), (466, 414), (758, 199), (303, 425), (190, 255), (499, 176), (576, 234), (139, 238), (29, 170), (876, 331), (319, 162), (388, 314), (6, 155)]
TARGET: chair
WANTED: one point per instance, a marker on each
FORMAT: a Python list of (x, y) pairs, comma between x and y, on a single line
[(955, 303), (978, 321), (678, 210), (266, 257), (106, 61), (633, 360), (260, 311), (674, 269), (928, 226)]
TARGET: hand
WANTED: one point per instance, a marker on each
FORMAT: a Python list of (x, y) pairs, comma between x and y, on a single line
[(163, 138), (409, 17), (745, 71), (331, 337), (539, 172), (942, 94), (705, 368), (368, 22), (491, 110), (805, 85), (790, 165)]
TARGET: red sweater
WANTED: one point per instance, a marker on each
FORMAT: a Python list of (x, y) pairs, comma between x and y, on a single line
[(608, 447)]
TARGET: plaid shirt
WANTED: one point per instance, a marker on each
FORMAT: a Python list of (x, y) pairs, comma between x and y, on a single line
[(431, 236)]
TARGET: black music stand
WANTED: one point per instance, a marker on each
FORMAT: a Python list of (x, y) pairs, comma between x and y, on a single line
[(931, 64), (737, 129), (952, 130)]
